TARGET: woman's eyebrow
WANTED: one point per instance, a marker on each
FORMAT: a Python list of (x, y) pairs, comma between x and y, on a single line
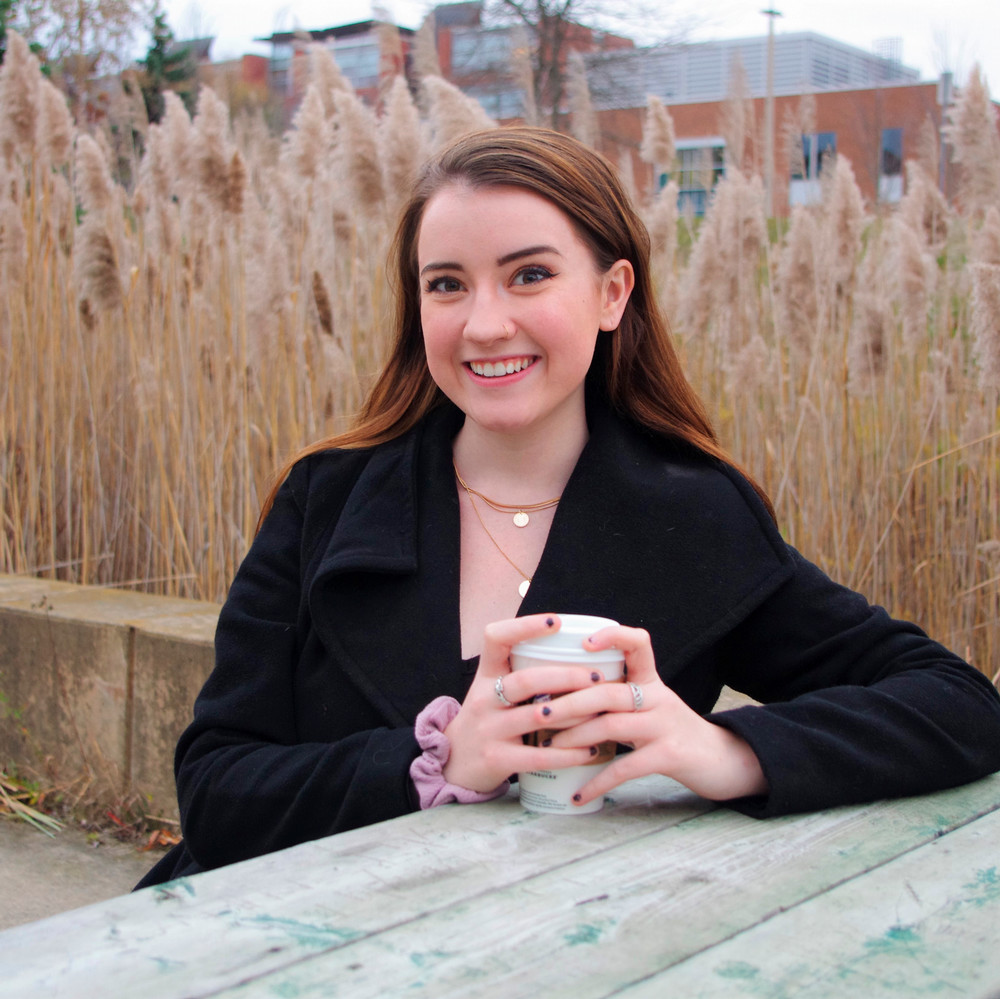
[(444, 265), (528, 251), (507, 258)]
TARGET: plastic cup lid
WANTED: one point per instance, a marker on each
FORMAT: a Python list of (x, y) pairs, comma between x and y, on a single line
[(566, 644)]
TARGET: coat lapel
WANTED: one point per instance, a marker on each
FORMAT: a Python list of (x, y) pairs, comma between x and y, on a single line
[(657, 539), (384, 599)]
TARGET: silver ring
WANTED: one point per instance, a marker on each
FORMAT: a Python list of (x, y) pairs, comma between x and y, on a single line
[(498, 687), (637, 697)]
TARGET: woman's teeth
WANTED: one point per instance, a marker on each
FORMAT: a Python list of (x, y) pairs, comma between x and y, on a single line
[(493, 369)]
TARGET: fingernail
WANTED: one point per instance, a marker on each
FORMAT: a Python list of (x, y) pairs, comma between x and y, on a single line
[(591, 639), (578, 798), (595, 676), (546, 742), (546, 710), (550, 621), (593, 750)]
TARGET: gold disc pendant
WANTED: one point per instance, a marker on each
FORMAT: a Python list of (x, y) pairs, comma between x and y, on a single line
[(521, 519), (523, 587)]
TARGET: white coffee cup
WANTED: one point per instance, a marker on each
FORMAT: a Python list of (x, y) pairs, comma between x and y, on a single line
[(553, 790)]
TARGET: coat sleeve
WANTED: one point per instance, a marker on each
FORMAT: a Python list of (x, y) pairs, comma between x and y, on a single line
[(246, 784), (857, 706)]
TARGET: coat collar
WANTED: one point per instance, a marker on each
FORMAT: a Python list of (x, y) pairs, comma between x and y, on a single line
[(645, 533)]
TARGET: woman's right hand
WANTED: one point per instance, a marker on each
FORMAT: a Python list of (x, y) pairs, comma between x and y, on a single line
[(485, 736)]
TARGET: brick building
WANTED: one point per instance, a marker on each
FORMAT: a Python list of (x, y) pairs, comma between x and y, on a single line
[(866, 107), (829, 98)]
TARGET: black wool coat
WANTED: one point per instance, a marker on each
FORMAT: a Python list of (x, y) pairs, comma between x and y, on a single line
[(342, 624)]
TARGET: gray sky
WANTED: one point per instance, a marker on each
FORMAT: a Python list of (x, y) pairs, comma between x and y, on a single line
[(935, 35)]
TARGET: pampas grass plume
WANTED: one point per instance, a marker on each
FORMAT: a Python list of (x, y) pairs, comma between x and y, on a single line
[(309, 142), (972, 132), (401, 141), (985, 324), (211, 152), (179, 133), (327, 77), (358, 150), (797, 311), (322, 299), (13, 244), (236, 183), (659, 141), (56, 124), (97, 267), (19, 81), (844, 222), (92, 177), (911, 273), (923, 207), (425, 54), (452, 113), (986, 242)]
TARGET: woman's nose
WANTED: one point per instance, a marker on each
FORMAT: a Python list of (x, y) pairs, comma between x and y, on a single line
[(487, 321)]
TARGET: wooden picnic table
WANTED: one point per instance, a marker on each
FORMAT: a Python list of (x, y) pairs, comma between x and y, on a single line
[(661, 894)]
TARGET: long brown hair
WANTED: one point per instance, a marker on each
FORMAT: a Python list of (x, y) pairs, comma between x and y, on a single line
[(637, 363)]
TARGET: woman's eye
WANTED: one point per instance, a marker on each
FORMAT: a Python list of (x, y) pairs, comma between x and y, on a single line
[(531, 275), (443, 285)]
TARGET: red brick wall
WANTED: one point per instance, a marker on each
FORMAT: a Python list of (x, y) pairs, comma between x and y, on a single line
[(857, 117)]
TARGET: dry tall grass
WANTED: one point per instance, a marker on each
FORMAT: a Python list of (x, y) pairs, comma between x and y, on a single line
[(164, 347)]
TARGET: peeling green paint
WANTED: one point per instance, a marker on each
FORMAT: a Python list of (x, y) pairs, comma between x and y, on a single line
[(286, 990), (173, 889), (895, 938), (737, 969), (585, 934), (986, 887), (308, 934), (422, 958)]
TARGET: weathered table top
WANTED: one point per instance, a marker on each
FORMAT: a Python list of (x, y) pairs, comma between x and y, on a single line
[(661, 894)]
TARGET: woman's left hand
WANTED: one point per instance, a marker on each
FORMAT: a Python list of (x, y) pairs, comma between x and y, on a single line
[(666, 736)]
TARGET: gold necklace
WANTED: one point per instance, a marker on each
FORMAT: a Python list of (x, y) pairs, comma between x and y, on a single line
[(522, 587), (520, 511)]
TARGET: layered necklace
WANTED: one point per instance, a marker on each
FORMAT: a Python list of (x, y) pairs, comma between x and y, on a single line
[(519, 510), (520, 516)]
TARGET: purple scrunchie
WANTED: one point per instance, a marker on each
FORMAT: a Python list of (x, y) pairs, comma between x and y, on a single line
[(427, 770)]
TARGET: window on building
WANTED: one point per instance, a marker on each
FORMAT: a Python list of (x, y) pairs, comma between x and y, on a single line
[(700, 166), (499, 102), (476, 50), (890, 168), (817, 149), (358, 61)]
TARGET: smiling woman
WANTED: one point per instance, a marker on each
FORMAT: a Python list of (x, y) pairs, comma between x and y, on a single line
[(532, 446), (511, 321)]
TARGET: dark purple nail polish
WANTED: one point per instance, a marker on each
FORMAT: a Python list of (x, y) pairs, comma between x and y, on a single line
[(577, 798), (550, 621), (595, 676), (546, 742), (593, 750), (546, 710)]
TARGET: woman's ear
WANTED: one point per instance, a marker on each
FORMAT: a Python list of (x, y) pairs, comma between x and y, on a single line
[(618, 282)]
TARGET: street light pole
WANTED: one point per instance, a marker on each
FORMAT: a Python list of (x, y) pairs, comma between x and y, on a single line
[(769, 115)]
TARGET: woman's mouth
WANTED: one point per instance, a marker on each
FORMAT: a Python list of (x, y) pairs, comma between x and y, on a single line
[(506, 366)]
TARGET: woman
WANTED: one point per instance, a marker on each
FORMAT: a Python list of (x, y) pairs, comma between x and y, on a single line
[(532, 446)]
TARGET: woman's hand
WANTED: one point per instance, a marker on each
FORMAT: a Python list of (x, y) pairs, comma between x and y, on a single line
[(486, 736), (666, 736)]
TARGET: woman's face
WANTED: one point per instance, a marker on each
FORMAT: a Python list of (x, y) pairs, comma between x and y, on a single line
[(511, 305)]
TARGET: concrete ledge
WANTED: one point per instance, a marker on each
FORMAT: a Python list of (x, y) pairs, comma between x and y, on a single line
[(99, 683)]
